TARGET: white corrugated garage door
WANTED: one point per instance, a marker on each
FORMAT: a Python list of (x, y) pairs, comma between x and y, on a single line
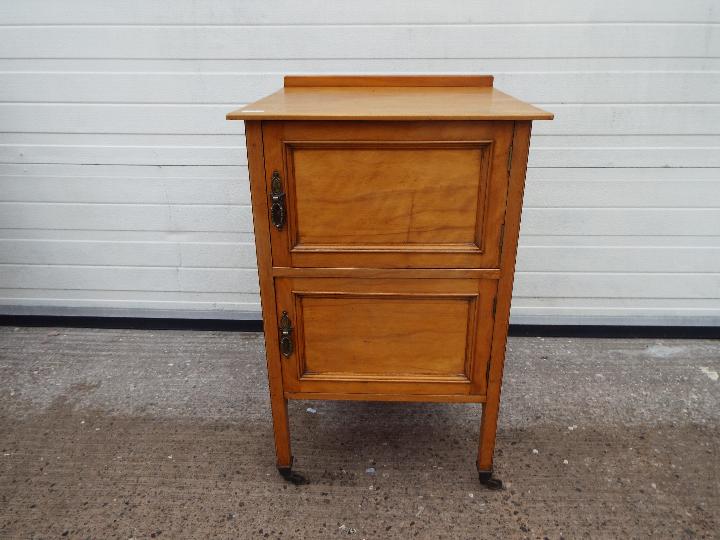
[(124, 191)]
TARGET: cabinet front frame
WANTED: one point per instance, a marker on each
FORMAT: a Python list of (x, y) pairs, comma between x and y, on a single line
[(491, 138)]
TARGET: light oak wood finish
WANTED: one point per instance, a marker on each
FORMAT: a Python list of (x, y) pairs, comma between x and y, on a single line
[(439, 188), (388, 102), (488, 424), (418, 273), (387, 335), (341, 188), (408, 398), (386, 213), (278, 401), (388, 81)]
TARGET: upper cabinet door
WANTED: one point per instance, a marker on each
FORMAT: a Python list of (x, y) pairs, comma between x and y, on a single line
[(386, 195)]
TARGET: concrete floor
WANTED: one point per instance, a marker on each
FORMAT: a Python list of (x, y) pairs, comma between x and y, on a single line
[(166, 434)]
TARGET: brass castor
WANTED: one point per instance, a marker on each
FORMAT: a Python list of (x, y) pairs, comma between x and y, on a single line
[(292, 476), (487, 480)]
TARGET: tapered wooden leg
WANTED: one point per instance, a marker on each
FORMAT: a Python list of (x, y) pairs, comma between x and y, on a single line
[(281, 428), (283, 453), (488, 427), (488, 430)]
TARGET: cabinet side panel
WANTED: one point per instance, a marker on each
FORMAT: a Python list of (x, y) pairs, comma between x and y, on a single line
[(518, 166)]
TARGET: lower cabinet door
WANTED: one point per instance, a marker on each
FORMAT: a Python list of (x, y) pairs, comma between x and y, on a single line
[(399, 337)]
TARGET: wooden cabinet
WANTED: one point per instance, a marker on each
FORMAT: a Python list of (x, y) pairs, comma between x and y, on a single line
[(386, 213)]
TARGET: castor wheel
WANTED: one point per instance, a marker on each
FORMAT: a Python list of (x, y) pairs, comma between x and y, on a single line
[(487, 480), (293, 477)]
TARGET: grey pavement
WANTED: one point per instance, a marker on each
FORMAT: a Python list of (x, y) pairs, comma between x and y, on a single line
[(167, 434)]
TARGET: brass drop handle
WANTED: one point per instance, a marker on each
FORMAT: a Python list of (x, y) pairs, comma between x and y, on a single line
[(286, 342), (277, 201)]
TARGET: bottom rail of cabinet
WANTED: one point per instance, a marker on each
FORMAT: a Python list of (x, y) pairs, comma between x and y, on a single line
[(436, 398)]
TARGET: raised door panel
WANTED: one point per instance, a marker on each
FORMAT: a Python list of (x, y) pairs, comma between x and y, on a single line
[(403, 194), (392, 195), (386, 336)]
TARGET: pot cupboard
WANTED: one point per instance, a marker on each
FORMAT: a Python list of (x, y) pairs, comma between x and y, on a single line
[(386, 212)]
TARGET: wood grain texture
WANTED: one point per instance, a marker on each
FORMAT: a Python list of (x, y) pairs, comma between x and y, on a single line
[(488, 425), (278, 402), (387, 335), (389, 103), (388, 80), (428, 194), (364, 396), (440, 188), (615, 119), (386, 273), (385, 188)]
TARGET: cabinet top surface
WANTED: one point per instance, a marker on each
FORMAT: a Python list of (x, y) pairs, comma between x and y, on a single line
[(389, 98)]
